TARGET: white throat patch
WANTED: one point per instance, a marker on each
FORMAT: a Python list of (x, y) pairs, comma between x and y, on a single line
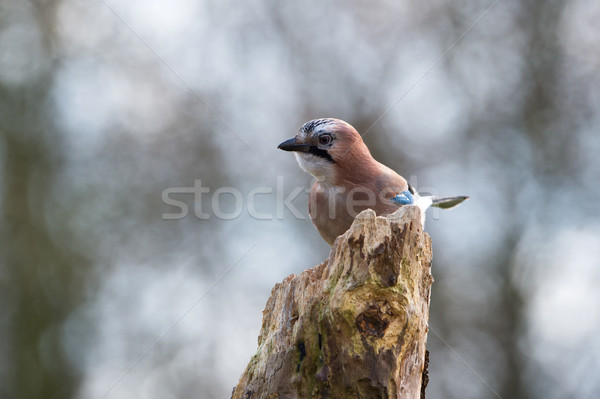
[(320, 168)]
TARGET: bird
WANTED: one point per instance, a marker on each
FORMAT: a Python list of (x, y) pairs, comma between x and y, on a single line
[(348, 179)]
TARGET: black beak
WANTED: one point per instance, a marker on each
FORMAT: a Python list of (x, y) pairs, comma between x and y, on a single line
[(293, 145)]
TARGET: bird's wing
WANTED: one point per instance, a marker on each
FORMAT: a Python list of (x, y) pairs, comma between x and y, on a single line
[(403, 198), (395, 188)]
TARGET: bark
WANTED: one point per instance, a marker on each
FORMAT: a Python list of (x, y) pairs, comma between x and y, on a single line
[(354, 326)]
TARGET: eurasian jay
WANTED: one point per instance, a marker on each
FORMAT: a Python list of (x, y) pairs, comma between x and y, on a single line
[(348, 179)]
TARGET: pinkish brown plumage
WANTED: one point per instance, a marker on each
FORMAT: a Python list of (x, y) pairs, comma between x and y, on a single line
[(348, 179)]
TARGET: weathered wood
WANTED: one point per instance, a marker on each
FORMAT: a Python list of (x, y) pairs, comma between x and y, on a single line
[(354, 326)]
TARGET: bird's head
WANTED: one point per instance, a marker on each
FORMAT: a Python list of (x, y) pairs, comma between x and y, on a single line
[(325, 146)]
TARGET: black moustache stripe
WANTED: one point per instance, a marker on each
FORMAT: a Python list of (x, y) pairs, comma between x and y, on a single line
[(320, 153)]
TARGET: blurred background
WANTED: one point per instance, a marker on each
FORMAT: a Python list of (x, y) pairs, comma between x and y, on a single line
[(104, 105)]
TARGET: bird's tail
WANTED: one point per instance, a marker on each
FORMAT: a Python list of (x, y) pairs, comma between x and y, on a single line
[(448, 202)]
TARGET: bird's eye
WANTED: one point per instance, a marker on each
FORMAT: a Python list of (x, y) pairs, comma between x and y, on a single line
[(325, 139)]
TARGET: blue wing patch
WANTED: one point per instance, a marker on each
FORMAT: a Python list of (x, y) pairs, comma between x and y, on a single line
[(403, 198)]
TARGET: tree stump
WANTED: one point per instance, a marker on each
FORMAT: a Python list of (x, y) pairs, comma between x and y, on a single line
[(354, 326)]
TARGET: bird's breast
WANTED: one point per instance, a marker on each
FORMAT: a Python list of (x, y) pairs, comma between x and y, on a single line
[(332, 208)]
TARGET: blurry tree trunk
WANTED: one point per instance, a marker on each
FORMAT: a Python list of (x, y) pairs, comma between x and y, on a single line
[(46, 280), (356, 325), (42, 280)]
